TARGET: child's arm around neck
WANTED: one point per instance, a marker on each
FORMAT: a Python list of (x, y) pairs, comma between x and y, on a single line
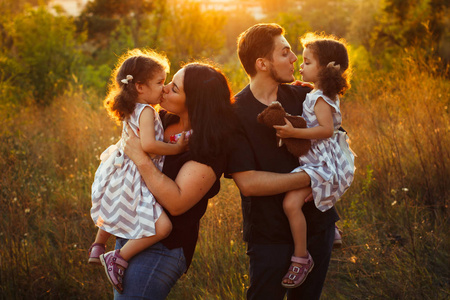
[(148, 140)]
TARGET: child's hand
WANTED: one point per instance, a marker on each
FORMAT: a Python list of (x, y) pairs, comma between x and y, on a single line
[(303, 83), (182, 143), (285, 131)]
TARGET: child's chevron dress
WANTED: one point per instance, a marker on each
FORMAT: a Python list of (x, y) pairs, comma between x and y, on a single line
[(330, 162), (121, 202)]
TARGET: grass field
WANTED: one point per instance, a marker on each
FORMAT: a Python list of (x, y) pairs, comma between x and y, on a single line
[(395, 217)]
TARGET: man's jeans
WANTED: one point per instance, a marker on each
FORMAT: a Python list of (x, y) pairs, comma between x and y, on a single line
[(270, 262)]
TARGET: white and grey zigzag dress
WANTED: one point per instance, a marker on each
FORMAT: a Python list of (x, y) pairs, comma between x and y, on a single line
[(121, 202), (329, 162)]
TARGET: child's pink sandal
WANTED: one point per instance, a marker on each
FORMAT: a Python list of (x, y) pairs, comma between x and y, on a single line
[(298, 274), (115, 267), (94, 253)]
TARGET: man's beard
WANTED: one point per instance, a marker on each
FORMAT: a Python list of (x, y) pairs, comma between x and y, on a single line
[(277, 78)]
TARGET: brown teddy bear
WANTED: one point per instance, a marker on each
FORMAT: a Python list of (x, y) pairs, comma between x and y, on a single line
[(274, 114)]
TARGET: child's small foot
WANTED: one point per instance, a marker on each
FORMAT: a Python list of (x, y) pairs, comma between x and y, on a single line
[(298, 271), (337, 243), (94, 253), (115, 267)]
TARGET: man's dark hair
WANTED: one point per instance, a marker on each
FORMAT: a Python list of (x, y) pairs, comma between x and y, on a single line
[(257, 42)]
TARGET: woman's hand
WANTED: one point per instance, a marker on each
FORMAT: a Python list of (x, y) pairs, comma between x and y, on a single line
[(133, 148), (285, 131)]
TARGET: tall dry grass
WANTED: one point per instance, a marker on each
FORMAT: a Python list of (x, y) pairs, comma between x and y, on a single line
[(219, 268), (395, 216), (48, 158)]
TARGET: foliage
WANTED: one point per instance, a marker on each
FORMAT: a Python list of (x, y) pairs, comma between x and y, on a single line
[(333, 17), (409, 123), (48, 158), (396, 212), (395, 216), (45, 51), (295, 27), (222, 224), (120, 41), (101, 17), (236, 22), (8, 76), (363, 21), (409, 24), (95, 78), (192, 34), (13, 7)]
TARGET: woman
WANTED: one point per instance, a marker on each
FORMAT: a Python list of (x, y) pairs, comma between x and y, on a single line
[(197, 99)]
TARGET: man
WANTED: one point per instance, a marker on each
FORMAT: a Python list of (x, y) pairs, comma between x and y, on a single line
[(261, 171)]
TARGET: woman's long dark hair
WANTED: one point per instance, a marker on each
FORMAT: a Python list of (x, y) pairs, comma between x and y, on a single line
[(209, 103)]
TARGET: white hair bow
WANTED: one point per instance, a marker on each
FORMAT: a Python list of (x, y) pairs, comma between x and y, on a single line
[(332, 64), (126, 80)]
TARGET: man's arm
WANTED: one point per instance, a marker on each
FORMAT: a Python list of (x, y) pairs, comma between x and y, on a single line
[(261, 183)]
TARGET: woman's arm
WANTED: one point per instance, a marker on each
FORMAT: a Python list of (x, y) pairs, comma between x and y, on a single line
[(193, 181), (148, 140), (325, 129)]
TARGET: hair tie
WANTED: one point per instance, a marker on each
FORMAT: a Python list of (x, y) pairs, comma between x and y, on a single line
[(332, 64), (127, 79)]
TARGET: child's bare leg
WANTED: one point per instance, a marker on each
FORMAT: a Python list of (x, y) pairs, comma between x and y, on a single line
[(98, 247), (163, 228), (292, 205), (102, 236)]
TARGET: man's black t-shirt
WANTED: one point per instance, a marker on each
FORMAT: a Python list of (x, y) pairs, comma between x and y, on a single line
[(255, 148)]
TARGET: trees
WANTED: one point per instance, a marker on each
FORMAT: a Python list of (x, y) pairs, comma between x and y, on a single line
[(295, 27), (190, 33), (44, 53), (101, 17), (412, 24), (41, 52), (330, 16)]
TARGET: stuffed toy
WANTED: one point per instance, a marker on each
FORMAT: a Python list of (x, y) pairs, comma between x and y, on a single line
[(274, 114)]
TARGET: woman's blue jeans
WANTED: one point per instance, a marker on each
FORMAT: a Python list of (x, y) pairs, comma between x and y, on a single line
[(152, 273)]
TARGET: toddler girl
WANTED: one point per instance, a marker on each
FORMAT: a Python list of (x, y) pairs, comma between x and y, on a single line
[(330, 162), (122, 205)]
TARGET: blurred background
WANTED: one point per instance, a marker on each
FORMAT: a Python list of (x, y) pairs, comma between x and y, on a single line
[(55, 61)]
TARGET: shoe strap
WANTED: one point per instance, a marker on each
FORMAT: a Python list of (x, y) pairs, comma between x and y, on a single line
[(301, 260), (119, 260), (95, 245)]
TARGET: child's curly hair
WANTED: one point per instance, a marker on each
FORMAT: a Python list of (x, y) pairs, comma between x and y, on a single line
[(332, 56), (142, 65)]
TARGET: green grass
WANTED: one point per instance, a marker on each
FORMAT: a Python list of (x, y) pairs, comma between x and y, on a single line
[(395, 217)]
